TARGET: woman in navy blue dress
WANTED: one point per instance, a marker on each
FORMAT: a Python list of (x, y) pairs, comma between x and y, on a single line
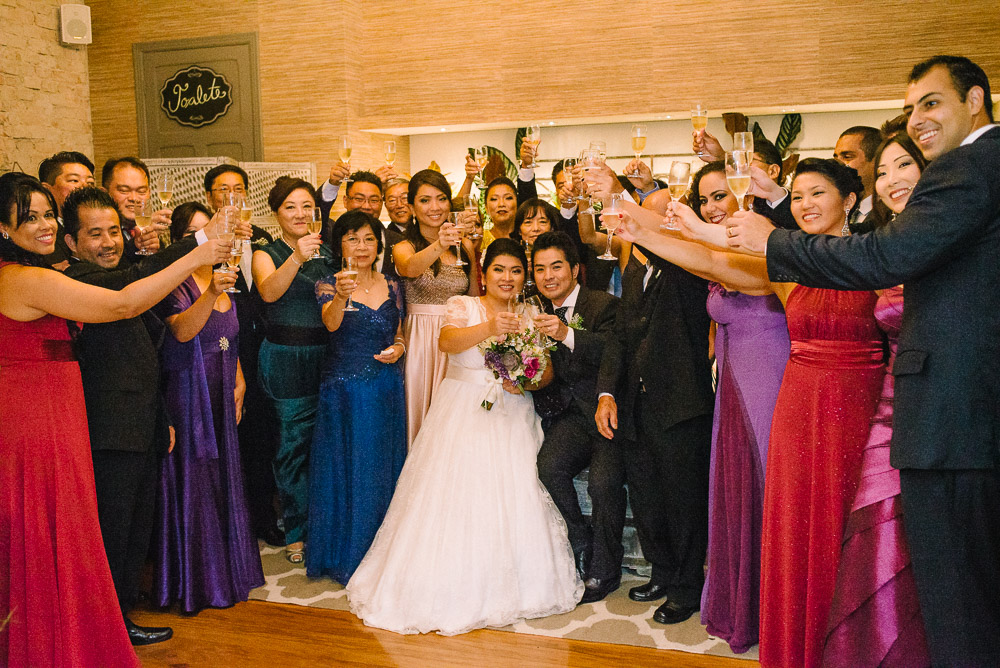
[(359, 442)]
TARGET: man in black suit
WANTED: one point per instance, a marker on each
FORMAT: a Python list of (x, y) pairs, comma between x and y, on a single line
[(363, 192), (579, 320), (129, 429), (944, 249), (655, 389), (127, 181)]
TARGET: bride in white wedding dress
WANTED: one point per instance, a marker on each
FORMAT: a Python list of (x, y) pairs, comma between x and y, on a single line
[(471, 538)]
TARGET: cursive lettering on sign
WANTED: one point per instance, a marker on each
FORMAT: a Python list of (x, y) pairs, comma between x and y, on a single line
[(187, 99)]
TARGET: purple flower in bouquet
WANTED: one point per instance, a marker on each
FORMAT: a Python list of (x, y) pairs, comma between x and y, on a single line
[(494, 362)]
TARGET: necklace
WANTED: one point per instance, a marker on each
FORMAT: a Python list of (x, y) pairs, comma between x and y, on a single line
[(371, 284)]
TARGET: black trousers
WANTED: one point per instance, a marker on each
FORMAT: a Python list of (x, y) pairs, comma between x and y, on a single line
[(126, 497), (667, 472), (571, 444), (258, 443), (952, 521)]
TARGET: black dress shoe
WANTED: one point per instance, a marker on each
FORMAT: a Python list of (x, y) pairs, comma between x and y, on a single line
[(651, 591), (582, 559), (147, 635), (596, 589), (673, 613), (272, 536)]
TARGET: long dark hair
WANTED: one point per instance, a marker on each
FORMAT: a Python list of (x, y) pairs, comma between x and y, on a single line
[(881, 214), (181, 218), (16, 189), (434, 179), (695, 198)]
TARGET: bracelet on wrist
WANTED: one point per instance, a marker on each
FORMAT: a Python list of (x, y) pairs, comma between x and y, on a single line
[(292, 258)]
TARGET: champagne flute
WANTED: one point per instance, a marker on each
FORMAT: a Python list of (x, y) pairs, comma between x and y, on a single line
[(344, 152), (677, 183), (738, 174), (569, 164), (533, 135), (165, 188), (143, 219), (246, 215), (482, 156), (390, 153), (233, 261), (456, 220), (315, 226), (227, 232), (591, 160), (638, 144), (699, 121), (601, 148), (611, 218), (472, 206), (350, 273), (743, 141), (533, 303)]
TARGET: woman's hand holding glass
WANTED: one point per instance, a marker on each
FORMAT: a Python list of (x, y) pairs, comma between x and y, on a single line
[(307, 246), (223, 280), (684, 220), (505, 322), (449, 235)]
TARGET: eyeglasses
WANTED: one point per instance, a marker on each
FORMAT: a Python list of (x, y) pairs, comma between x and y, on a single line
[(393, 201), (355, 241), (361, 199), (225, 190)]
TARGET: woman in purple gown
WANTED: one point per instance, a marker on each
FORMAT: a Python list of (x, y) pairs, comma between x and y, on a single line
[(205, 550), (875, 617), (751, 350)]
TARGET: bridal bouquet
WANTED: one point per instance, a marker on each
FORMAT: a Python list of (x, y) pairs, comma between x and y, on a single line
[(518, 357)]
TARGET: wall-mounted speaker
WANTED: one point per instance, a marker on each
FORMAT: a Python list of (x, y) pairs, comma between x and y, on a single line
[(74, 23)]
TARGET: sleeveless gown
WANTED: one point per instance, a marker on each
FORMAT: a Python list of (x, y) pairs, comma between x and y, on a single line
[(55, 583), (875, 617), (471, 538), (751, 348), (425, 364), (359, 442), (204, 549), (821, 422)]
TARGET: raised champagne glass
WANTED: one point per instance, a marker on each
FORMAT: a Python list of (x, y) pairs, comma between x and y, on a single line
[(738, 175), (472, 207), (344, 153), (165, 188), (677, 184), (315, 226), (143, 220), (227, 232), (456, 220), (233, 261), (611, 219), (638, 144), (246, 215), (602, 149), (569, 164), (350, 272), (390, 153), (699, 122), (743, 141)]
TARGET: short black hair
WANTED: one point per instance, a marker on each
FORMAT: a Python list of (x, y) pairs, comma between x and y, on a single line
[(219, 170), (870, 139), (88, 197), (180, 219), (558, 240), (529, 209), (504, 246), (964, 75), (50, 168), (556, 168), (769, 154), (112, 164), (285, 186), (352, 221), (501, 181), (845, 179), (365, 177)]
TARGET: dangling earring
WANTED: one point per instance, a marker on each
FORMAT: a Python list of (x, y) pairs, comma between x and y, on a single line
[(5, 235)]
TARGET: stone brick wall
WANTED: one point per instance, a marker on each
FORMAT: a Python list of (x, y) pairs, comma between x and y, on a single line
[(44, 87)]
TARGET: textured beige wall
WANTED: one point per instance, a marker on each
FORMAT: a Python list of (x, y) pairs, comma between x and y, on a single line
[(44, 91)]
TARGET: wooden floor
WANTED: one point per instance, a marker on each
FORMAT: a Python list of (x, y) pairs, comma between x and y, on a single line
[(287, 636)]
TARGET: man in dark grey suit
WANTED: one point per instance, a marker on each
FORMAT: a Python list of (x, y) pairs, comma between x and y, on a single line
[(579, 320), (945, 249)]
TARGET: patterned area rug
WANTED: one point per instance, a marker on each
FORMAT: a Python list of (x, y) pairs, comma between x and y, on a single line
[(617, 619)]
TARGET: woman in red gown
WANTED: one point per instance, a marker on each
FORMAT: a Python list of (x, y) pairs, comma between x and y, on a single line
[(821, 418), (57, 601)]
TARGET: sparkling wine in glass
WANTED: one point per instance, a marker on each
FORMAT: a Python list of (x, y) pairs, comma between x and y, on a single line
[(533, 135), (677, 184), (482, 157), (350, 273), (233, 261), (227, 232), (569, 164), (699, 122), (601, 147), (743, 141), (456, 220), (738, 174), (472, 207), (165, 188), (390, 153), (344, 153), (590, 160), (315, 226), (611, 219), (143, 219), (638, 144)]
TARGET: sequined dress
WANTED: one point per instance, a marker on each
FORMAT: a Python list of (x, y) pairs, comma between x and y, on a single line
[(425, 364), (821, 422), (359, 442)]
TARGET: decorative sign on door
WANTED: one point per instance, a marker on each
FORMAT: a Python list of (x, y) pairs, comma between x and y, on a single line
[(196, 96)]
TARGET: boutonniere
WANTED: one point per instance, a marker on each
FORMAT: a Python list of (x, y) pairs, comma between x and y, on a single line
[(576, 322)]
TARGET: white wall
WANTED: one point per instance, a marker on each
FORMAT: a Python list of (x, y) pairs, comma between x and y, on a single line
[(668, 141)]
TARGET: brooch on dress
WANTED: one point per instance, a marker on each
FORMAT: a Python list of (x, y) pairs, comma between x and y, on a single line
[(223, 343)]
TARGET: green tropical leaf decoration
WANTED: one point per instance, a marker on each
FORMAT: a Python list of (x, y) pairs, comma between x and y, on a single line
[(498, 165), (757, 132), (791, 126)]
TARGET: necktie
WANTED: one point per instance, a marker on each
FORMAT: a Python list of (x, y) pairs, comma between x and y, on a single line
[(561, 313)]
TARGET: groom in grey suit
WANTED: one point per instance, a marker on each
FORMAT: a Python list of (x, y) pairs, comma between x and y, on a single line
[(945, 249)]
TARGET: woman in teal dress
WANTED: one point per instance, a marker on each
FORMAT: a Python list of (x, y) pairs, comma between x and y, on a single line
[(359, 443), (294, 344)]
